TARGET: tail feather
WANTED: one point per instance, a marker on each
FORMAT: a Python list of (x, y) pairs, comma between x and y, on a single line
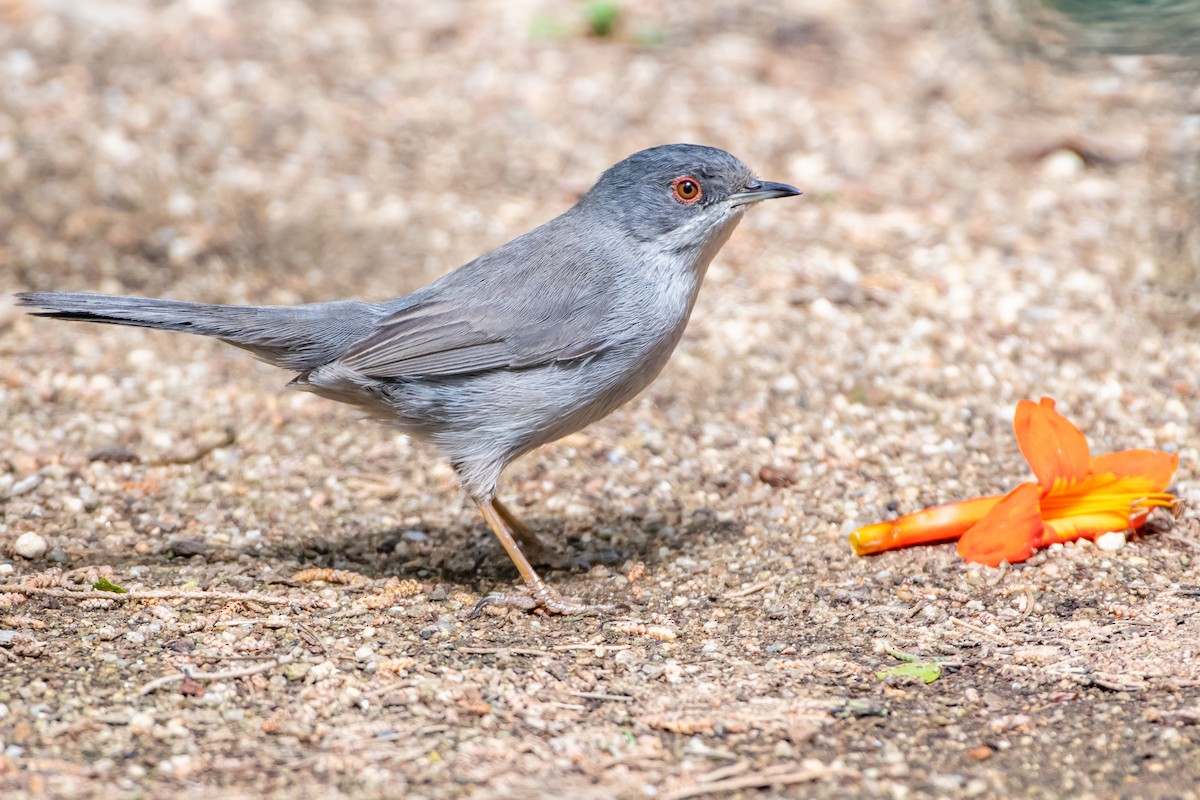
[(294, 337)]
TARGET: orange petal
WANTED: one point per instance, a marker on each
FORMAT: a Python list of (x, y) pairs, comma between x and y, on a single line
[(1155, 466), (1104, 502), (1088, 526), (1009, 532), (937, 524), (1053, 446)]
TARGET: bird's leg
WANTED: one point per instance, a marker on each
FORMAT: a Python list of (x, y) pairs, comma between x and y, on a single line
[(531, 544), (540, 595)]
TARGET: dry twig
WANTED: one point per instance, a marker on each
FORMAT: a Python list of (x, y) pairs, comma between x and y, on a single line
[(166, 594), (223, 675), (1028, 609), (758, 780), (623, 698), (592, 646), (996, 637), (491, 651), (746, 591), (200, 452)]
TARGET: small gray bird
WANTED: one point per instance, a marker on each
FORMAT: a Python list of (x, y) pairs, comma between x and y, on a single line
[(522, 346)]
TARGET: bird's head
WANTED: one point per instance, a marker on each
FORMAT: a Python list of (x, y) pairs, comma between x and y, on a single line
[(678, 196)]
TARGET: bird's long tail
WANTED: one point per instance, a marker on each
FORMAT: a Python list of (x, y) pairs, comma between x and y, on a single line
[(293, 337)]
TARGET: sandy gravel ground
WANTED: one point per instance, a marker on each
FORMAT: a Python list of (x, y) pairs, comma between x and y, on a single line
[(977, 228)]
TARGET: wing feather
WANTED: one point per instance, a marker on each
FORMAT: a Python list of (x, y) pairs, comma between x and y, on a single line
[(455, 340), (487, 315)]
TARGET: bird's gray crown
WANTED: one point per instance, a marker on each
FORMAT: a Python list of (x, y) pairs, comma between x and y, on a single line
[(655, 191)]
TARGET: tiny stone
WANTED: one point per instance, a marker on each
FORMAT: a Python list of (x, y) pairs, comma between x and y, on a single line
[(175, 729), (1111, 542), (30, 545), (626, 658), (27, 484), (777, 476), (947, 782), (1062, 164), (297, 672), (322, 671), (141, 722), (188, 547)]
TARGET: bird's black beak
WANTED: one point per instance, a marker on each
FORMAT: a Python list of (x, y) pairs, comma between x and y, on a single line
[(762, 190)]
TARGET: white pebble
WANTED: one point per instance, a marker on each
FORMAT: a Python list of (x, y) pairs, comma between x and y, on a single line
[(141, 722), (1062, 164), (30, 545), (26, 484), (321, 671), (1111, 541)]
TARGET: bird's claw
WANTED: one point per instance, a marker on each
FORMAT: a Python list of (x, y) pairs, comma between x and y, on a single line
[(542, 600)]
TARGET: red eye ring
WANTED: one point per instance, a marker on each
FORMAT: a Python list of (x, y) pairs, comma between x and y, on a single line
[(687, 190)]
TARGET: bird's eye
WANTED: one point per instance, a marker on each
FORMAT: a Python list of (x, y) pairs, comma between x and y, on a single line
[(687, 189)]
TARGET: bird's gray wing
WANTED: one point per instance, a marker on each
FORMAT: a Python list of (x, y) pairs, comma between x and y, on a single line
[(453, 335)]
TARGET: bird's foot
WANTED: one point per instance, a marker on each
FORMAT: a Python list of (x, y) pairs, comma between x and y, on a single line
[(542, 600), (542, 554)]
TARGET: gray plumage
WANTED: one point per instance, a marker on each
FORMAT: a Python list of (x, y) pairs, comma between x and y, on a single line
[(519, 347)]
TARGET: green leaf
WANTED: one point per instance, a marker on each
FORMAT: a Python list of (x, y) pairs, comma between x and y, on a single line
[(105, 585), (602, 16), (928, 671)]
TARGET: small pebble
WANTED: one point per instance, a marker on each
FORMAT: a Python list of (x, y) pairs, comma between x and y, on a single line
[(297, 671), (320, 672), (30, 545), (947, 782), (1062, 164), (141, 722), (25, 485), (1111, 542)]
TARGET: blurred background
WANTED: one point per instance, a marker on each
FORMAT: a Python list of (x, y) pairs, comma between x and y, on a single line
[(288, 150)]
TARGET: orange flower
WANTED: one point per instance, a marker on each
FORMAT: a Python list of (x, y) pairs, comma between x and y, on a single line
[(1076, 496)]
